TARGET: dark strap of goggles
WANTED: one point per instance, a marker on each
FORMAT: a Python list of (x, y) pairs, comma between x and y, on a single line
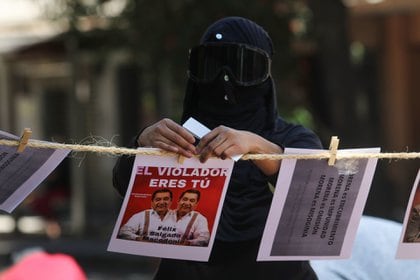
[(247, 65)]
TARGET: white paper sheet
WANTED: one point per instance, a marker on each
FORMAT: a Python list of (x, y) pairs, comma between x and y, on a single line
[(157, 172), (316, 208), (21, 173)]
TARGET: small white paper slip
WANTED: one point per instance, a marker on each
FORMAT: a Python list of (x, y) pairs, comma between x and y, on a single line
[(199, 131), (196, 128)]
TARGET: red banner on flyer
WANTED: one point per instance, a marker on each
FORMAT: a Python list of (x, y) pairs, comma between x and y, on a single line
[(172, 210), (209, 182)]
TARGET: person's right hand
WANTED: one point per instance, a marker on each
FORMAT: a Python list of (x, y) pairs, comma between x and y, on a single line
[(170, 136)]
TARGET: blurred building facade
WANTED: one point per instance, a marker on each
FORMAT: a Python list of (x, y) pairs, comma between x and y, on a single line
[(386, 34)]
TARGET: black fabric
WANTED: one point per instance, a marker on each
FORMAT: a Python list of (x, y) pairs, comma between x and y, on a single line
[(222, 103), (121, 172), (238, 30), (234, 261)]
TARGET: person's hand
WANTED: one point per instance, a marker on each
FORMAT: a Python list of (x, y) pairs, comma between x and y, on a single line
[(170, 136), (224, 142)]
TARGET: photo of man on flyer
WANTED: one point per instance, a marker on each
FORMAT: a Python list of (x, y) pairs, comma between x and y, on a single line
[(161, 224)]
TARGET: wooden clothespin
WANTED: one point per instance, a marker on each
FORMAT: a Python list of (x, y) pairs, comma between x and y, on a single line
[(27, 132), (181, 159), (333, 150)]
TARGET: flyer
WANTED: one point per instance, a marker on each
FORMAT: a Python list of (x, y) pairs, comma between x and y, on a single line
[(171, 209), (316, 208), (21, 173), (409, 245)]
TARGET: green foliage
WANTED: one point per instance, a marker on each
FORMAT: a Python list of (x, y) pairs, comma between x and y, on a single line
[(301, 115)]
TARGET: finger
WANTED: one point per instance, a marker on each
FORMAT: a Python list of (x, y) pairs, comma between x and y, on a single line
[(231, 145), (206, 140), (205, 156), (214, 148), (218, 143), (224, 149), (181, 131), (172, 147), (177, 140), (229, 152), (176, 135)]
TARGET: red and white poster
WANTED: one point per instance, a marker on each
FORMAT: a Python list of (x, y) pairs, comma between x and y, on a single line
[(171, 209), (409, 246)]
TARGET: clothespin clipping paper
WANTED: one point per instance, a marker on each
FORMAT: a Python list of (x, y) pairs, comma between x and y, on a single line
[(27, 132), (333, 150)]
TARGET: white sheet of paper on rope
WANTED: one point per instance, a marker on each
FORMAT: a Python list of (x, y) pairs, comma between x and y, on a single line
[(21, 173)]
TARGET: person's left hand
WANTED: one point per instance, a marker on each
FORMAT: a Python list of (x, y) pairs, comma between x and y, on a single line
[(224, 142)]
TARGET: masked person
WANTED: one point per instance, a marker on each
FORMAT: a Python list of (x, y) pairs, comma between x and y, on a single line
[(231, 91)]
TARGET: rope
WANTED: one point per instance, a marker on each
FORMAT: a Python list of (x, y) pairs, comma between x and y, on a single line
[(127, 151)]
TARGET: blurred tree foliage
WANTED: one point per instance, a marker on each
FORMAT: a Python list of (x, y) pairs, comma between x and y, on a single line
[(158, 34)]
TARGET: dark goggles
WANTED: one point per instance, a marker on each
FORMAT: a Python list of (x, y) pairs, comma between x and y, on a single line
[(248, 66)]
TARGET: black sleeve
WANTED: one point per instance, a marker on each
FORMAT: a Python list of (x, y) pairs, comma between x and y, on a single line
[(289, 135), (121, 172), (303, 138)]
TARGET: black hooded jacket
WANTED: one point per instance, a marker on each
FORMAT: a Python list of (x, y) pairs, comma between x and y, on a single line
[(248, 197)]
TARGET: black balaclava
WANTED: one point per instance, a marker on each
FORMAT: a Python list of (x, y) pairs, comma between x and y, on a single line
[(222, 102)]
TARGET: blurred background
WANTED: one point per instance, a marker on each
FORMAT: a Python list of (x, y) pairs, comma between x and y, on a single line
[(97, 71)]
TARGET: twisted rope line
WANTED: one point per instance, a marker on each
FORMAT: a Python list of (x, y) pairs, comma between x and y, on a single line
[(127, 151)]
